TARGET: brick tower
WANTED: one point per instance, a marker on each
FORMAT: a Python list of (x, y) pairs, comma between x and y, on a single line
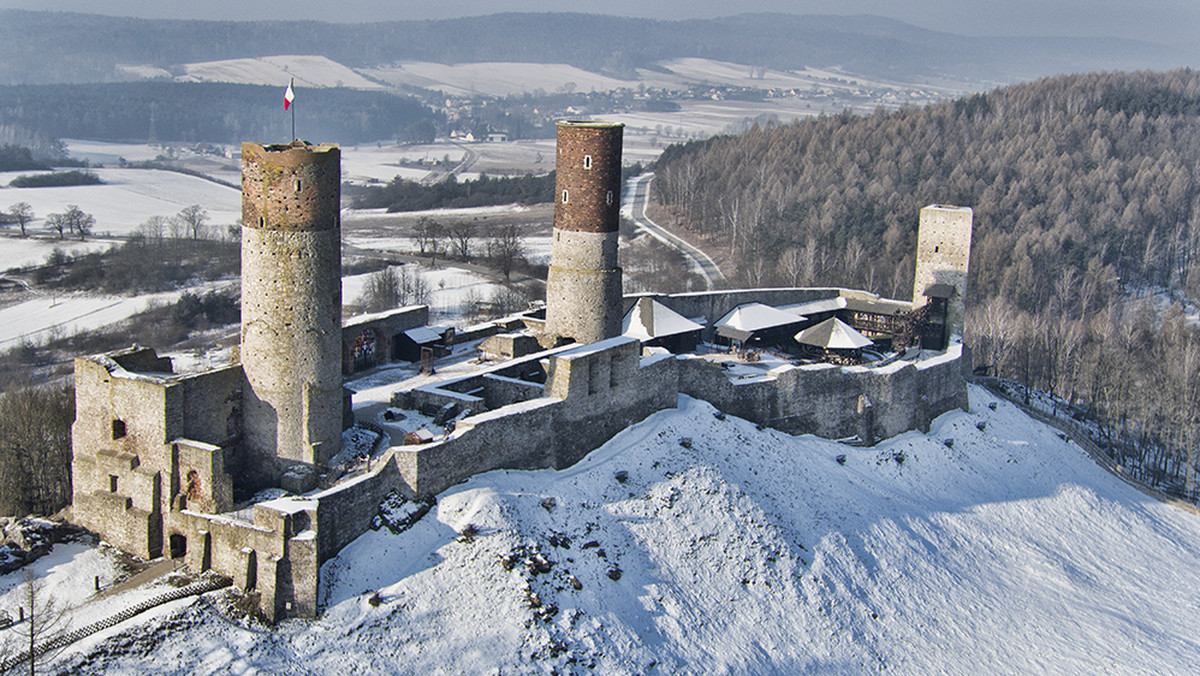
[(291, 348), (583, 288), (943, 257)]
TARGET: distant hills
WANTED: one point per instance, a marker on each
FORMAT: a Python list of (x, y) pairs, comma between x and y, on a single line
[(53, 47)]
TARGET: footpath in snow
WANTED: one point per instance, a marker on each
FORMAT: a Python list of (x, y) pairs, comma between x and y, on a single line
[(990, 545)]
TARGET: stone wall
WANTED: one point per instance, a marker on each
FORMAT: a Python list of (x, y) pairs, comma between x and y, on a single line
[(836, 402), (385, 326), (141, 439)]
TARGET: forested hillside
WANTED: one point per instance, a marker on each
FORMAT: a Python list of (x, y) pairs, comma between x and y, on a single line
[(181, 111), (43, 47), (1085, 191)]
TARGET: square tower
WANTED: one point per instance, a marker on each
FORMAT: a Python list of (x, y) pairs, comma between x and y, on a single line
[(943, 257)]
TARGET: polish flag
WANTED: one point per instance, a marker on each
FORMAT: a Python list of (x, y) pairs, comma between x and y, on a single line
[(289, 95)]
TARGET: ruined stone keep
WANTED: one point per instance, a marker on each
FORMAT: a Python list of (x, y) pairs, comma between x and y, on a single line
[(291, 302), (583, 287), (943, 255)]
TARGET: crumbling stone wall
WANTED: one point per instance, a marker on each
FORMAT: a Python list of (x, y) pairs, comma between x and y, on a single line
[(836, 402), (139, 446)]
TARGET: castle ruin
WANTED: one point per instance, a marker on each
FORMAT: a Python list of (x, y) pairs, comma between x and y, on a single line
[(165, 463)]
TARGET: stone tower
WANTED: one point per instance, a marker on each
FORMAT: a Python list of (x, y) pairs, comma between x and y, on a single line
[(943, 255), (291, 348), (583, 288)]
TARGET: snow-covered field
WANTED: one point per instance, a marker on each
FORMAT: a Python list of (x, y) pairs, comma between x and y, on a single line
[(127, 198), (47, 316), (1006, 550), (308, 71), (16, 251), (449, 288)]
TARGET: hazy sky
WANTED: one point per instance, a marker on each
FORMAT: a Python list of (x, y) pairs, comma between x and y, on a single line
[(1166, 21)]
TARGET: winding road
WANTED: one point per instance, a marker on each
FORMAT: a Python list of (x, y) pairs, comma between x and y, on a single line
[(633, 205)]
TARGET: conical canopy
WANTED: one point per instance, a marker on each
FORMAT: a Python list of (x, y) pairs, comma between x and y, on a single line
[(833, 334)]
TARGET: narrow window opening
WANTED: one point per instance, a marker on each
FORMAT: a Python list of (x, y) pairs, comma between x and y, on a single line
[(297, 185), (935, 249), (565, 200), (112, 483), (610, 197), (262, 222), (593, 376), (614, 366), (118, 428), (587, 161)]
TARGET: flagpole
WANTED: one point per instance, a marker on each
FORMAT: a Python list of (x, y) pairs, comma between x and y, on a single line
[(288, 98)]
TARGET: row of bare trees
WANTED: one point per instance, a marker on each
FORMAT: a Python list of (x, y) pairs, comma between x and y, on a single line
[(1132, 368), (35, 448)]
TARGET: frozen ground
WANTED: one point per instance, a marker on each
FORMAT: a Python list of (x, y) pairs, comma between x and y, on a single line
[(127, 198), (46, 316), (17, 251), (1004, 551)]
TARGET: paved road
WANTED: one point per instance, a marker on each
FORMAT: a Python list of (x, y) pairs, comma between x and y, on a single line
[(633, 205)]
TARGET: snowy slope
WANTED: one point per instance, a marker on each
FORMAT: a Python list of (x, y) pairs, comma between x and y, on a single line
[(308, 71), (1008, 551)]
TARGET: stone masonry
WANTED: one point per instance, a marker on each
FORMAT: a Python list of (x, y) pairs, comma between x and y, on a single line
[(583, 286), (159, 456), (943, 256), (291, 303)]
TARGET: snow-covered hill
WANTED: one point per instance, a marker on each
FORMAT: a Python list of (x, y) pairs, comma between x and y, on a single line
[(996, 550)]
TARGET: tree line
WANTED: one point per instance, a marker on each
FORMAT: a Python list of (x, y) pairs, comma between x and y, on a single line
[(401, 194), (1085, 190), (215, 112), (57, 47)]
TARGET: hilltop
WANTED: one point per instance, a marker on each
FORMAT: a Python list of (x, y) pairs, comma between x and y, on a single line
[(701, 544)]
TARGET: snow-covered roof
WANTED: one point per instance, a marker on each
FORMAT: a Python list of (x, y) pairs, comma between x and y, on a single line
[(814, 307), (592, 348), (833, 334), (755, 317), (650, 319), (423, 335)]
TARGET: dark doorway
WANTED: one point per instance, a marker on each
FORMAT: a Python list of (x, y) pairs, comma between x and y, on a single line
[(178, 546)]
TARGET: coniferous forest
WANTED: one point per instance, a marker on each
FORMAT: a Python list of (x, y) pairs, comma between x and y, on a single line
[(1086, 243)]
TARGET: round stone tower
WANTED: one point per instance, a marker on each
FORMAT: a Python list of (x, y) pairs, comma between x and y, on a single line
[(583, 288), (291, 348)]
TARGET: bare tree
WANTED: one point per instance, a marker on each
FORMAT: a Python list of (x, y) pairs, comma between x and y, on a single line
[(45, 619), (154, 229), (80, 222), (504, 248), (383, 291), (57, 223), (192, 219), (461, 235), (23, 213), (35, 449), (507, 300), (428, 232)]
